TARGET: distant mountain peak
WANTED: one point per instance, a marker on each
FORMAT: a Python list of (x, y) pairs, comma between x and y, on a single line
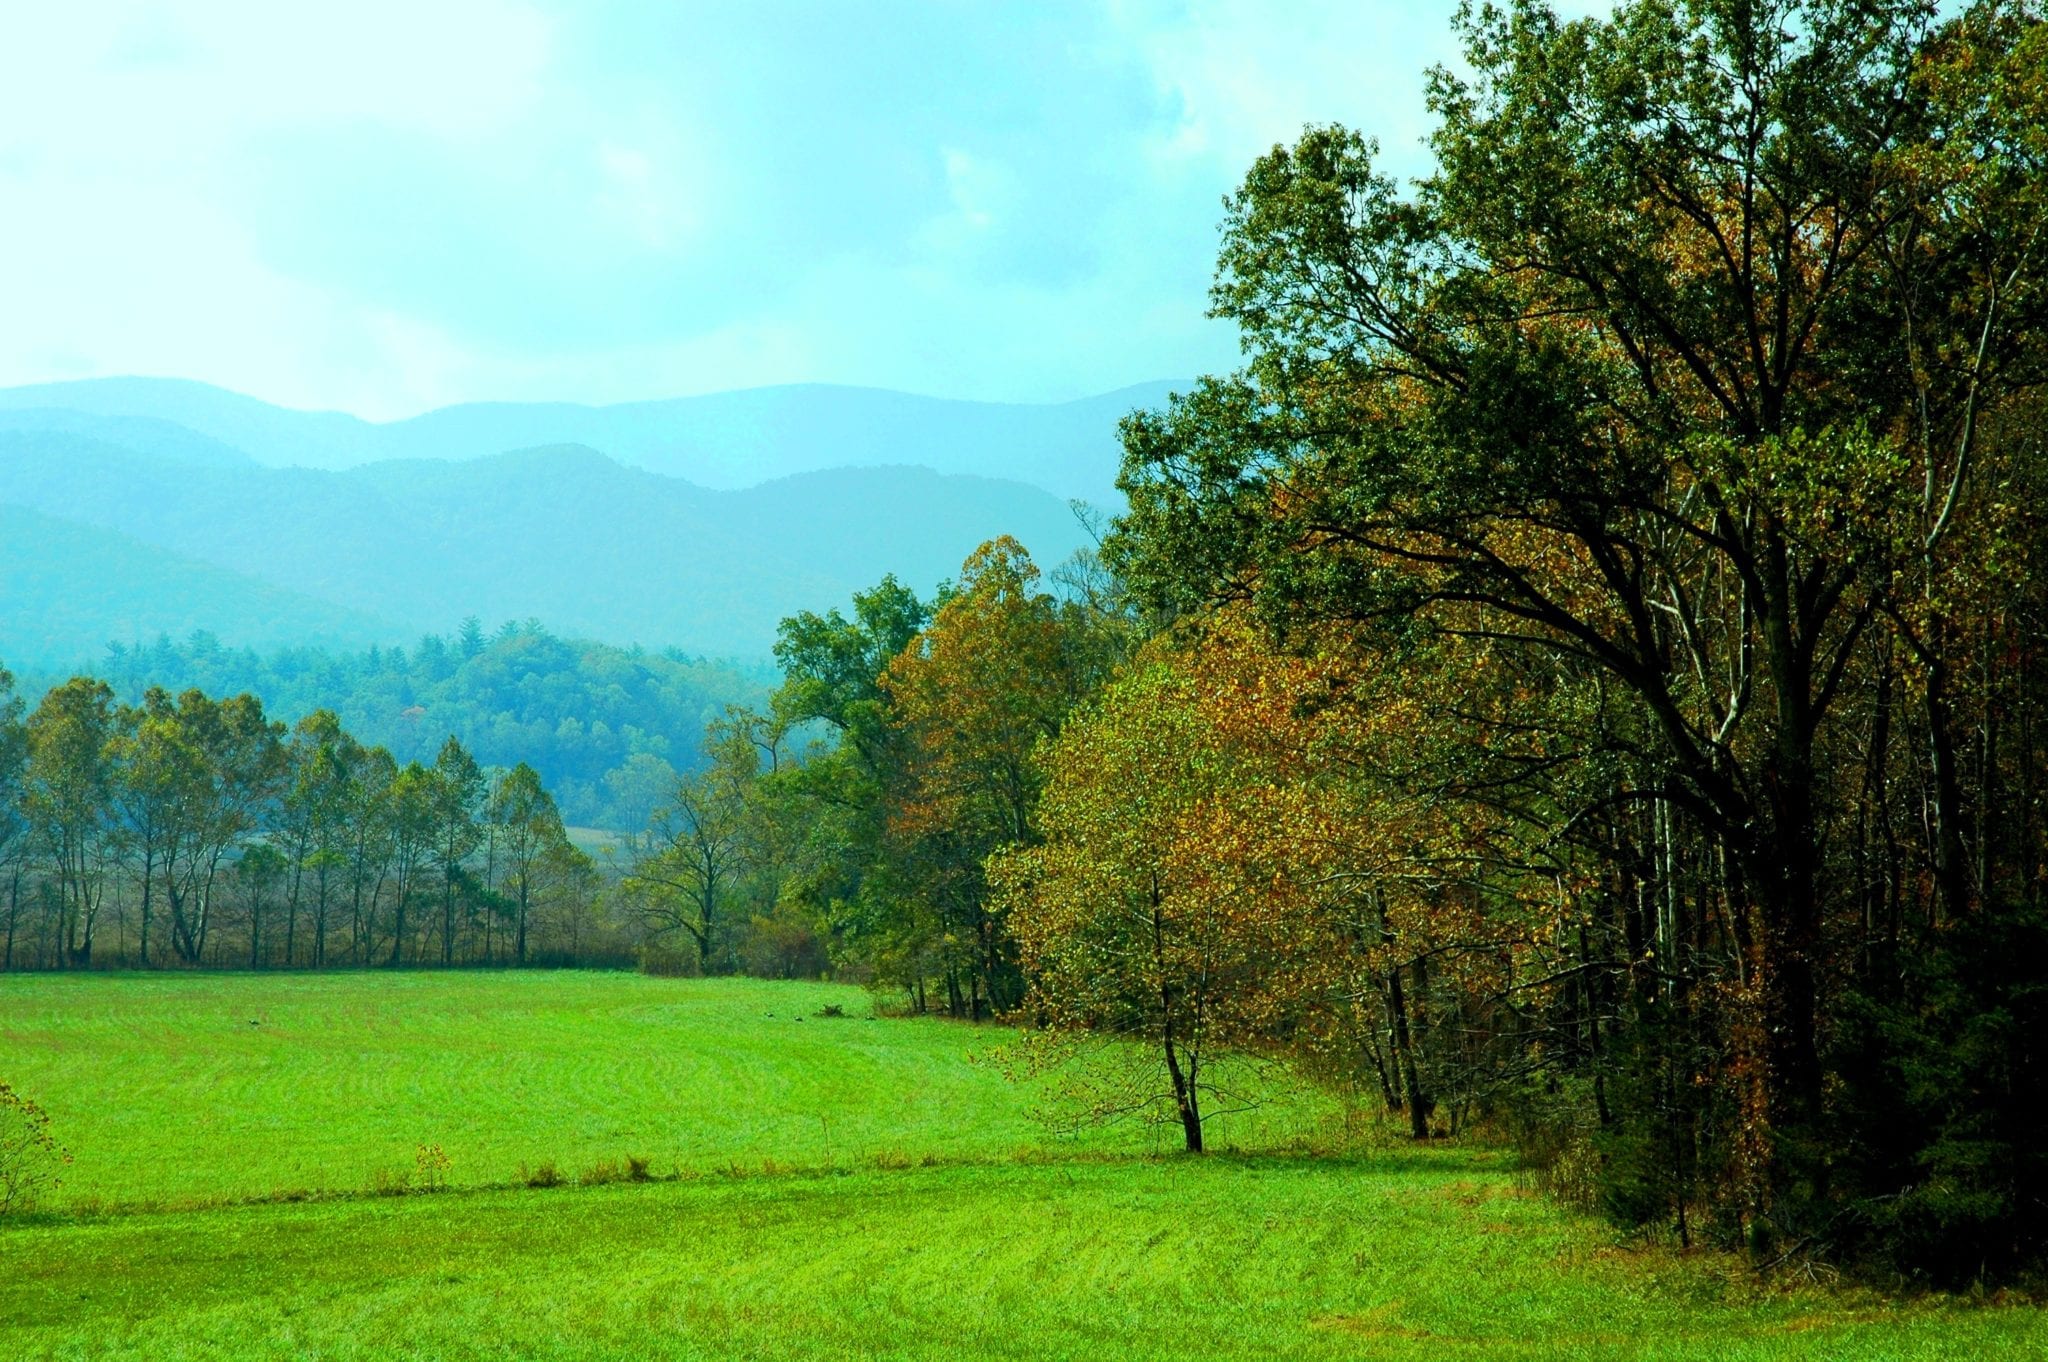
[(726, 439), (562, 532)]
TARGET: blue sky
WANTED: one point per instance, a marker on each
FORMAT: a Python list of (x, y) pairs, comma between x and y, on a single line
[(390, 205)]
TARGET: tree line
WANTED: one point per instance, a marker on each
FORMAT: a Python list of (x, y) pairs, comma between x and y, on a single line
[(1582, 677), (192, 831)]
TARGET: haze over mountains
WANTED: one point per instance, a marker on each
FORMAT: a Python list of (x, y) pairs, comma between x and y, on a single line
[(133, 506), (720, 440)]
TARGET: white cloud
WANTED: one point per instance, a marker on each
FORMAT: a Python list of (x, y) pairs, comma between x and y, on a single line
[(1246, 74), (390, 205)]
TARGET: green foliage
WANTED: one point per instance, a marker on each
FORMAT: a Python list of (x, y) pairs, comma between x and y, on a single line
[(171, 823), (581, 714), (898, 755), (1948, 1078), (1686, 402), (430, 1168)]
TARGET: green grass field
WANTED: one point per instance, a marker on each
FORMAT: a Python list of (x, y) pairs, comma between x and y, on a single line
[(826, 1188)]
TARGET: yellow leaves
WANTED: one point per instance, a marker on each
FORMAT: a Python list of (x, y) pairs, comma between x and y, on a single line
[(1204, 827), (975, 692)]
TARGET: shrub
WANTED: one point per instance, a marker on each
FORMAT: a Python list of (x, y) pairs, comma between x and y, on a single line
[(632, 1169), (543, 1174), (431, 1167), (1944, 1080), (31, 1160)]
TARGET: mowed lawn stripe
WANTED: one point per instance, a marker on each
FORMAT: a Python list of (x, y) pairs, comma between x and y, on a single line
[(1398, 1258), (835, 1188)]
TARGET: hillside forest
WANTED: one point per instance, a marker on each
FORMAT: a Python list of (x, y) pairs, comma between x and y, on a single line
[(606, 727), (1579, 681)]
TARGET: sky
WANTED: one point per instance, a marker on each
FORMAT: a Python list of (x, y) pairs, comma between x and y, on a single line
[(392, 205)]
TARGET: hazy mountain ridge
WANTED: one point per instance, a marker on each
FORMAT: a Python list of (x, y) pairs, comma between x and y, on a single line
[(69, 589), (721, 440), (162, 439), (565, 534)]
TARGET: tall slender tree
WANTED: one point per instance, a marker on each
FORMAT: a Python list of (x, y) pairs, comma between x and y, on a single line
[(14, 823), (532, 842), (70, 776), (459, 792)]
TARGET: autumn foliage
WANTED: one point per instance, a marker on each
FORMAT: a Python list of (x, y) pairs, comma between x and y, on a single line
[(1591, 688)]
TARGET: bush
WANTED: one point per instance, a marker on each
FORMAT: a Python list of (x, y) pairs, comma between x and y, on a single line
[(390, 1182), (606, 1171), (543, 1174), (31, 1160), (431, 1167)]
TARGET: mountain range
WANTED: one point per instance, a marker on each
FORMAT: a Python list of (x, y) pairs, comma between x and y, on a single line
[(134, 506), (724, 440)]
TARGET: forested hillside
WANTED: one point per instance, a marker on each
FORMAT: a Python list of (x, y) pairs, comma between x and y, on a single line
[(201, 831), (68, 589), (606, 728)]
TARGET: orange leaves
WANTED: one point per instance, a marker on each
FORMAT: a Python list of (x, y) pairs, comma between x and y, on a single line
[(1200, 822), (976, 691)]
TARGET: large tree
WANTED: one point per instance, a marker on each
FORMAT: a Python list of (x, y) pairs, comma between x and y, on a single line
[(459, 793), (223, 765), (1170, 900), (976, 691), (703, 842), (312, 824), (1676, 378)]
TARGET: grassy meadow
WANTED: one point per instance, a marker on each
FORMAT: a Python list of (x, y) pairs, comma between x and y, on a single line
[(178, 1088), (824, 1187)]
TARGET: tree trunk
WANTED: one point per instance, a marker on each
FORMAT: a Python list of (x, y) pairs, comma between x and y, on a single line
[(1185, 1095), (448, 915), (1951, 862), (13, 911), (291, 918), (521, 951), (1404, 1057), (320, 921), (148, 882)]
